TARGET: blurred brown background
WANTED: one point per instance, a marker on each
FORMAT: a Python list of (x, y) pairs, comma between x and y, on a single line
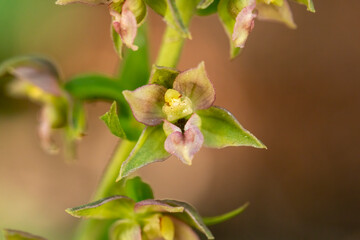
[(298, 91)]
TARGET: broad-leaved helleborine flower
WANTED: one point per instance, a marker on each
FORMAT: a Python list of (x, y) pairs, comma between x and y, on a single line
[(38, 79), (127, 15), (238, 17), (145, 220), (181, 105)]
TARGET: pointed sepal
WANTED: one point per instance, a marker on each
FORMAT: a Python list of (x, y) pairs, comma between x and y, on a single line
[(164, 76), (19, 235)]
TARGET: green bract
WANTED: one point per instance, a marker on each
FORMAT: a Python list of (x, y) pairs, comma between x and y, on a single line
[(177, 109)]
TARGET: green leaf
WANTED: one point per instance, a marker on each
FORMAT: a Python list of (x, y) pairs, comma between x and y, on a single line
[(164, 76), (148, 149), (211, 9), (191, 217), (117, 42), (221, 129), (137, 190), (116, 207), (159, 6), (175, 20), (94, 86), (308, 3), (224, 217), (112, 121), (226, 15), (125, 230), (18, 235)]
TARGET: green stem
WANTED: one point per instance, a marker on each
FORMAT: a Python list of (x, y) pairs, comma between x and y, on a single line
[(94, 229)]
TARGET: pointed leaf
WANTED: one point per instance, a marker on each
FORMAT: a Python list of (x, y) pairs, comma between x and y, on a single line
[(19, 235), (92, 2), (221, 129), (137, 190), (195, 84), (112, 121), (146, 103), (116, 207), (275, 13), (190, 216), (209, 221), (148, 149), (125, 230), (308, 3), (164, 76)]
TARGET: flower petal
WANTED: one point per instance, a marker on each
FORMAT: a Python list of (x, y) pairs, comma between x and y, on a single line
[(195, 84), (125, 25), (125, 230), (276, 13), (183, 231), (167, 228), (10, 234), (244, 25), (184, 145), (146, 103), (154, 206)]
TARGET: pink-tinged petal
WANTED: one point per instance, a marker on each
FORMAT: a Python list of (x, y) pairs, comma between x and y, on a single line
[(153, 206), (40, 77), (183, 231), (184, 145), (125, 230), (244, 25), (91, 2), (125, 25), (146, 103), (45, 132), (195, 84)]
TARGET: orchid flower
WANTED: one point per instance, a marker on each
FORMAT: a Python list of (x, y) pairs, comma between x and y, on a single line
[(127, 15), (180, 117), (238, 17), (137, 216)]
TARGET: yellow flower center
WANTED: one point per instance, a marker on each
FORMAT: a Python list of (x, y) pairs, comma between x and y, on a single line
[(176, 106)]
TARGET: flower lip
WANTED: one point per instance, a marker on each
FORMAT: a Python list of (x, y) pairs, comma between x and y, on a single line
[(176, 106)]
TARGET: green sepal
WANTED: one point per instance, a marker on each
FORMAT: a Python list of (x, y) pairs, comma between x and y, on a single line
[(209, 221), (221, 129), (117, 42), (148, 149), (164, 76), (115, 207), (190, 216), (138, 190), (308, 3), (211, 9), (19, 235), (227, 11), (111, 119)]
